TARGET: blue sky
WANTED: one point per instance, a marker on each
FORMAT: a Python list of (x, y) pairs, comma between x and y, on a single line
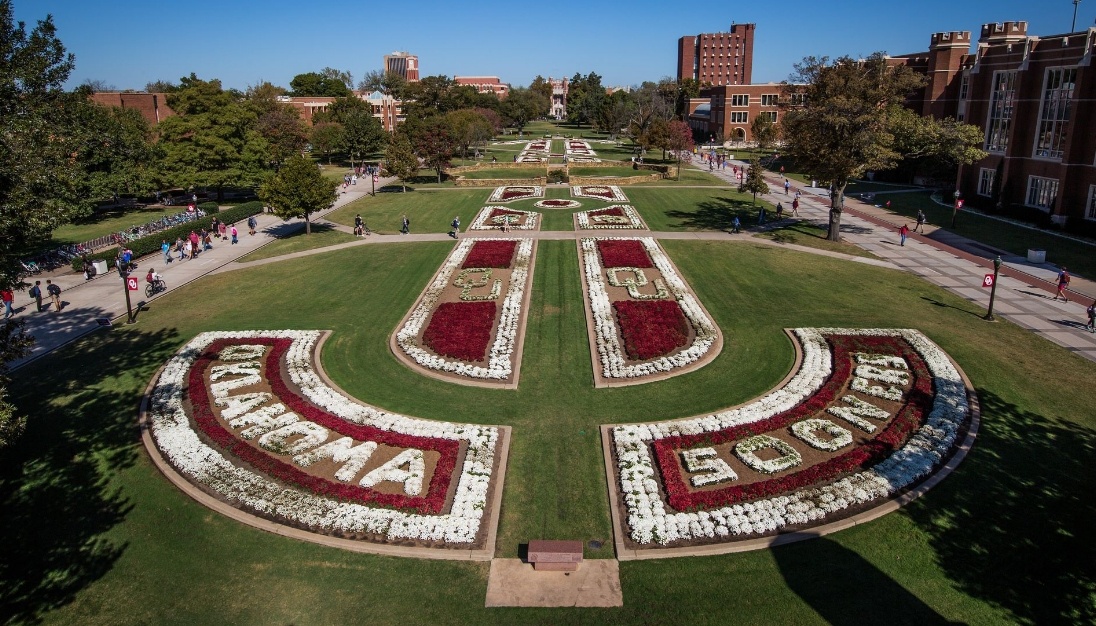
[(126, 43)]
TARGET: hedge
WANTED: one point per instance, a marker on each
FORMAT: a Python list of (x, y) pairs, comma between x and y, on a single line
[(151, 244)]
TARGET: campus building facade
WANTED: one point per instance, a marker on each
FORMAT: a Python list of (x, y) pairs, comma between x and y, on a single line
[(558, 110), (485, 84), (717, 58), (725, 113), (403, 63)]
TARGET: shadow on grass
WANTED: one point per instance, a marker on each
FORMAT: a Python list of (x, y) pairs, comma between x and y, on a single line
[(1013, 527), (716, 214), (57, 503), (297, 229), (938, 303), (846, 589)]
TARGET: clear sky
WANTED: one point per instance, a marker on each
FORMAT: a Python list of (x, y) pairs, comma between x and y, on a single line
[(126, 43)]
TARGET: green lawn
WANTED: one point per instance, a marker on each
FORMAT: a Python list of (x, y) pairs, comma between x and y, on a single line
[(112, 221), (429, 211), (806, 234), (94, 535), (322, 235)]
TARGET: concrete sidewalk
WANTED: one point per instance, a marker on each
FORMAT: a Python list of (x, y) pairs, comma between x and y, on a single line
[(103, 298), (1025, 291)]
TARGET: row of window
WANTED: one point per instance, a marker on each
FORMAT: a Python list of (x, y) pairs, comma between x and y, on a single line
[(1042, 192), (1055, 109), (767, 100), (742, 117)]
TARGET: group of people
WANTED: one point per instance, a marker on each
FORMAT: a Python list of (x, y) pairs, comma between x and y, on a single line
[(52, 290)]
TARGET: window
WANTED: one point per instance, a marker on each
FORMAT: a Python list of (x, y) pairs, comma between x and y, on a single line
[(769, 99), (964, 86), (739, 117), (798, 99), (740, 100), (1001, 104), (986, 176), (769, 115), (1054, 112), (1042, 192), (1090, 208)]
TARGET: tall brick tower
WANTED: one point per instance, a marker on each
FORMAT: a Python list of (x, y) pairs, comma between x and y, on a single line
[(718, 58), (945, 60), (403, 63)]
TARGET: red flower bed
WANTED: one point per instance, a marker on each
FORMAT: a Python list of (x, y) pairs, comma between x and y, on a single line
[(598, 192), (202, 412), (516, 192), (564, 203), (501, 212), (651, 328), (490, 253), (623, 253), (893, 436), (613, 211), (461, 330)]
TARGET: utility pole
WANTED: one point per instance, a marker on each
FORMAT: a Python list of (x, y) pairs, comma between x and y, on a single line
[(1073, 28)]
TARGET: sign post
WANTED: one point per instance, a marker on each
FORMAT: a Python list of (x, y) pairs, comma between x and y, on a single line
[(955, 209), (131, 284), (991, 281)]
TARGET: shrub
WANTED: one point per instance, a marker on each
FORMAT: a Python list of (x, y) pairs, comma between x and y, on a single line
[(150, 244), (557, 176)]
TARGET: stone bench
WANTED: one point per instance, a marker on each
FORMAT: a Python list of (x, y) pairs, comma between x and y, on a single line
[(558, 556)]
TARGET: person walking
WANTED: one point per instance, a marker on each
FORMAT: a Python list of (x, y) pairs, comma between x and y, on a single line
[(213, 228), (195, 244), (779, 211), (456, 227), (36, 293), (406, 226), (235, 234), (1063, 282), (358, 224), (1091, 310), (787, 184), (188, 248), (165, 249), (736, 226), (180, 248), (251, 224), (920, 222), (8, 296), (795, 207), (207, 242), (903, 233), (223, 229), (55, 294)]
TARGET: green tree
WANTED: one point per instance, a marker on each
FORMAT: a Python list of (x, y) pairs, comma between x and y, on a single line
[(298, 190), (115, 151), (584, 97), (468, 127), (160, 86), (755, 181), (763, 131), (543, 87), (523, 105), (400, 159), (932, 147), (318, 85), (436, 147), (213, 141), (362, 134), (279, 123), (388, 83), (844, 126), (326, 138), (679, 138)]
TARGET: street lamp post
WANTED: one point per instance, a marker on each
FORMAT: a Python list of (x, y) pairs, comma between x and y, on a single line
[(1073, 28), (993, 290), (123, 270), (956, 205)]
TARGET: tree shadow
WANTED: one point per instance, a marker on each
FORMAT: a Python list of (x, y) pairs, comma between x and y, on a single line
[(57, 500), (715, 214), (1014, 526), (938, 303), (846, 589)]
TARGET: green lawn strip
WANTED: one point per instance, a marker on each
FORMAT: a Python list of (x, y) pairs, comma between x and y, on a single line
[(429, 211), (684, 209), (504, 173), (1078, 256), (107, 222), (804, 233), (95, 535), (322, 235)]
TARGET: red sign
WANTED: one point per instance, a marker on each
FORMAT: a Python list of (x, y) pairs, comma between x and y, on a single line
[(959, 203), (988, 280), (131, 283)]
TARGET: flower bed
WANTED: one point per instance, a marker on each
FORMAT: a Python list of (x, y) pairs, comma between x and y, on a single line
[(477, 281), (610, 193), (637, 270), (618, 216), (213, 378), (580, 152), (557, 204), (494, 218), (491, 253), (461, 330), (651, 328), (734, 492), (509, 193)]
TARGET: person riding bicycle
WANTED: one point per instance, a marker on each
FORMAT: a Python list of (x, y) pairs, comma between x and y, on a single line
[(154, 280)]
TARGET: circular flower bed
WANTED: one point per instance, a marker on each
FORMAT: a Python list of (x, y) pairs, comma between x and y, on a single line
[(557, 204)]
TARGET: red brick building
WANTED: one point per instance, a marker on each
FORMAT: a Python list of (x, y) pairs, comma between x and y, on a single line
[(726, 112), (152, 106), (403, 63), (485, 84), (717, 58)]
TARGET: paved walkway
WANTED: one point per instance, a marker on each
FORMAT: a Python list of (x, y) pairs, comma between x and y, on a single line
[(103, 298), (1024, 294), (1025, 291)]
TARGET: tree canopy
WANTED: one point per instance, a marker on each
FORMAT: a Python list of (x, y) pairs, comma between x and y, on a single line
[(298, 190), (328, 83), (400, 159), (754, 181)]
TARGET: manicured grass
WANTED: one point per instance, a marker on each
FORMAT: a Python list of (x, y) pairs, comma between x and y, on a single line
[(666, 209), (1079, 257), (517, 172), (112, 221), (322, 235), (609, 171), (803, 233), (93, 534), (429, 211)]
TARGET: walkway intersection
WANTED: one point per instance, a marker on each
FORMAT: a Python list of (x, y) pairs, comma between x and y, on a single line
[(1024, 293)]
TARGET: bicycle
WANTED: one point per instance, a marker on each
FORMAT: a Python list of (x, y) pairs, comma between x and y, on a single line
[(155, 287), (31, 267)]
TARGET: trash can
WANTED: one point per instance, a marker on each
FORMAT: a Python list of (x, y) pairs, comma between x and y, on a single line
[(814, 183), (100, 267), (1035, 255)]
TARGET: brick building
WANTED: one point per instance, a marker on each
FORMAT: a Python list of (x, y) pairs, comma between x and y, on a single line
[(558, 109), (485, 84), (152, 106), (717, 58), (403, 63), (1035, 100), (726, 112)]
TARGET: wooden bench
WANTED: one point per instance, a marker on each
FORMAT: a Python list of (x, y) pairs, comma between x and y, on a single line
[(558, 556)]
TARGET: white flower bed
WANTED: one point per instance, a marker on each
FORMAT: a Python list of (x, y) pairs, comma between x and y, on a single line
[(500, 361), (609, 193), (183, 448), (557, 204), (579, 151), (533, 155), (614, 361), (630, 219), (650, 522), (526, 191), (484, 221)]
